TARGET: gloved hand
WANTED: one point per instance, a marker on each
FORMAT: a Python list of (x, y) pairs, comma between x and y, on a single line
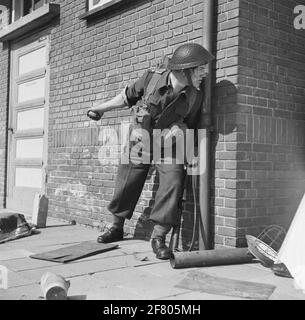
[(94, 115)]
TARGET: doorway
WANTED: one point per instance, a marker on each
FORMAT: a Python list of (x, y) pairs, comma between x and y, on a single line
[(28, 122)]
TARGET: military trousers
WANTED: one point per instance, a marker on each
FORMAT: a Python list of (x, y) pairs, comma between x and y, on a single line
[(130, 181)]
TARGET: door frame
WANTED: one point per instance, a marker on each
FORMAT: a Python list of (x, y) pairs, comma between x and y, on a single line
[(43, 37)]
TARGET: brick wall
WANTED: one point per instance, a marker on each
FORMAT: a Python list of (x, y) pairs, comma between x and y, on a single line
[(225, 157), (4, 60), (95, 60), (265, 153)]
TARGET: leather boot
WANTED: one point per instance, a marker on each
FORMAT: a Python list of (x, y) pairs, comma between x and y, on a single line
[(111, 235), (160, 249)]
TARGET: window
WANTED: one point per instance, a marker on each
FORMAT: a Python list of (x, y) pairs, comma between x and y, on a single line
[(96, 8), (23, 7), (92, 4), (3, 17)]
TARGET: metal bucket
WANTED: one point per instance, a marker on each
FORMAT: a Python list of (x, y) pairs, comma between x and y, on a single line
[(54, 287)]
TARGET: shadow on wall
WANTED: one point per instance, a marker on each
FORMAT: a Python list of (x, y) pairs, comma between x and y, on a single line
[(224, 111)]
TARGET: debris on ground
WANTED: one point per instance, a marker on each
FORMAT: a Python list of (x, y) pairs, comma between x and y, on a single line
[(54, 287), (14, 226)]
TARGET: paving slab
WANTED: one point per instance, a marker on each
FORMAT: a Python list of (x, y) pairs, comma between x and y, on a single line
[(58, 234), (43, 242), (201, 281), (278, 294), (16, 280), (137, 246), (96, 288), (164, 270), (27, 292), (284, 286), (114, 293), (139, 281), (24, 264), (257, 265), (10, 254), (199, 296), (235, 272)]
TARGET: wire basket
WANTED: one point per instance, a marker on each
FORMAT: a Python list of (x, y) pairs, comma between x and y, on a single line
[(273, 236), (265, 247)]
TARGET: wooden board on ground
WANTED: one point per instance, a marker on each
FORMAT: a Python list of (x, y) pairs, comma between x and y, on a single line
[(75, 252), (200, 281)]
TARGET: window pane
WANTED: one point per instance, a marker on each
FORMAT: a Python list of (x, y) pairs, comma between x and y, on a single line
[(31, 90), (2, 18), (29, 148), (30, 119), (27, 7), (17, 10), (38, 4), (32, 60), (28, 177)]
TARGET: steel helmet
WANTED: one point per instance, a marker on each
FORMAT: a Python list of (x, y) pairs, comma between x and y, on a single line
[(189, 55)]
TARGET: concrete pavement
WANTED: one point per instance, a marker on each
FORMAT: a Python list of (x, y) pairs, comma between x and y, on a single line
[(130, 272)]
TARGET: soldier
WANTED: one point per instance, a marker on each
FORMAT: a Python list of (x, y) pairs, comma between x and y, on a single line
[(178, 90)]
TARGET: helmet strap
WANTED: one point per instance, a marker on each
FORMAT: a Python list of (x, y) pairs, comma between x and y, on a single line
[(178, 80), (187, 73)]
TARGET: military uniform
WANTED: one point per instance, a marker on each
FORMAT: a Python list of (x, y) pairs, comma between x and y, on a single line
[(131, 177)]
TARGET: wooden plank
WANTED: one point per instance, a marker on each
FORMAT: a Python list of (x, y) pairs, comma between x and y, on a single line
[(200, 281), (75, 252)]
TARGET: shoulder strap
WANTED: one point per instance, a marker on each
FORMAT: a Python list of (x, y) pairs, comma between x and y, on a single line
[(157, 73), (151, 85)]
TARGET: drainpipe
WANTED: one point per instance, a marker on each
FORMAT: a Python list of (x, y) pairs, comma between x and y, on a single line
[(7, 125), (204, 177)]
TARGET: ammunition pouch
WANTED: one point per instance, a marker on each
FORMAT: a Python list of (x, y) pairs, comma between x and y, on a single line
[(143, 118)]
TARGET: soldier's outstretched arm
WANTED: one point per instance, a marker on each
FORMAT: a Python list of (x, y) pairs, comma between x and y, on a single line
[(126, 98), (98, 110)]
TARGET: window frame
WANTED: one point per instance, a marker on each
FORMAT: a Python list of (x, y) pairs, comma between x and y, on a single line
[(3, 17), (14, 5), (91, 6), (102, 9)]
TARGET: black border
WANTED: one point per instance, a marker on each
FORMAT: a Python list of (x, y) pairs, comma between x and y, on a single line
[(209, 309)]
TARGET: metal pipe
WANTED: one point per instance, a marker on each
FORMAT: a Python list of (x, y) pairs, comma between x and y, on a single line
[(206, 258), (204, 178)]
